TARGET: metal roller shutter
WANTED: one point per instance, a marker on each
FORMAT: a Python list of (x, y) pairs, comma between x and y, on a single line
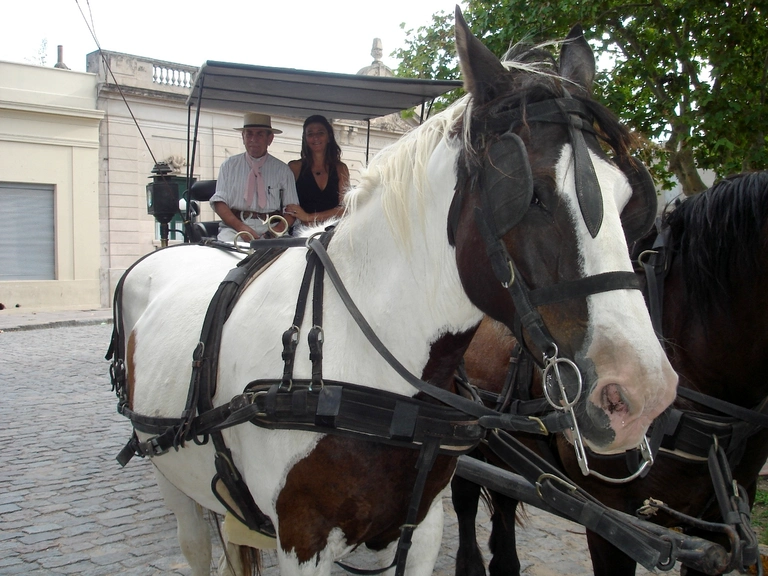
[(26, 232)]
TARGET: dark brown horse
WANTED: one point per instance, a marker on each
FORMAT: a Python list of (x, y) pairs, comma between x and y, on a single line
[(714, 316)]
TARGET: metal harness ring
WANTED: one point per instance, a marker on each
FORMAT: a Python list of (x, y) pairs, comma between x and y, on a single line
[(274, 221)]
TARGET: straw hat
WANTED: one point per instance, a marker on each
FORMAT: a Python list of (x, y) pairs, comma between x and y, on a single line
[(254, 120)]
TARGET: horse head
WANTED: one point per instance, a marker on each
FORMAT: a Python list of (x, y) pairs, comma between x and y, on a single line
[(536, 221)]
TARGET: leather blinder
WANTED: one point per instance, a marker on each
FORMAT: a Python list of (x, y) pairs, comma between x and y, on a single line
[(507, 182)]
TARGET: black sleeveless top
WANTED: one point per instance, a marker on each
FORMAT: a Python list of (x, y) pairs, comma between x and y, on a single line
[(311, 198)]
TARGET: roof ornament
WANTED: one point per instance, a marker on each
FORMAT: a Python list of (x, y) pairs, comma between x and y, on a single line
[(377, 67)]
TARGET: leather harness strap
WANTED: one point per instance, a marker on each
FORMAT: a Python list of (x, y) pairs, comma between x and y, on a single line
[(560, 493)]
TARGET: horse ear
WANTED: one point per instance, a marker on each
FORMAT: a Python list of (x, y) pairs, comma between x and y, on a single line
[(577, 61), (480, 68)]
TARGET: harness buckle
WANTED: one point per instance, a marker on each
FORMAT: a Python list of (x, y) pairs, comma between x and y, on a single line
[(117, 374), (315, 339), (511, 280), (198, 355), (645, 255), (152, 447), (290, 342)]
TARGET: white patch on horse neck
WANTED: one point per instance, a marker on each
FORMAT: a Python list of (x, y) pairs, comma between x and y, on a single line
[(405, 283), (399, 177)]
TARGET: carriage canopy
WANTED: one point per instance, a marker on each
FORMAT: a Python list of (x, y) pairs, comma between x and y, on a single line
[(301, 93)]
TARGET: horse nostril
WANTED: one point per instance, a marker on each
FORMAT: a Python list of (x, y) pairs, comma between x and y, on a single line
[(612, 400)]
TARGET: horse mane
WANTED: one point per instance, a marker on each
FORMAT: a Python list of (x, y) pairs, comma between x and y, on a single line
[(720, 235), (401, 168)]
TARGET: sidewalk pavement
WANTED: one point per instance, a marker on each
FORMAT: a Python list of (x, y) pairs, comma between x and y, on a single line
[(15, 319)]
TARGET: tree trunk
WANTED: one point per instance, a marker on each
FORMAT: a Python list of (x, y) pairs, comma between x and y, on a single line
[(682, 163)]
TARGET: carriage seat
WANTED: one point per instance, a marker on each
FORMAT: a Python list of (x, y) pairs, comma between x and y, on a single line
[(208, 229), (203, 191)]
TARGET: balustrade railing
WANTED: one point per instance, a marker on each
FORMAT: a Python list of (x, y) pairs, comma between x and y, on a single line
[(166, 75)]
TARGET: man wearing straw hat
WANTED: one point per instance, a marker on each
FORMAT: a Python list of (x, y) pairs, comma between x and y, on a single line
[(254, 185)]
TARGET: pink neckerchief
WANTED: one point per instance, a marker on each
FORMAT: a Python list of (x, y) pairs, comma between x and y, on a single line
[(255, 182)]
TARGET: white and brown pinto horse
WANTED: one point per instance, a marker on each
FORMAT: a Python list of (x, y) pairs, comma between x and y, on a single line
[(423, 295)]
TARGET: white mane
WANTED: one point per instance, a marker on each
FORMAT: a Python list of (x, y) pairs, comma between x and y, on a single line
[(399, 172)]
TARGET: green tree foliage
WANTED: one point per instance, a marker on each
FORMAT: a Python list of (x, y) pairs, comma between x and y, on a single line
[(691, 77)]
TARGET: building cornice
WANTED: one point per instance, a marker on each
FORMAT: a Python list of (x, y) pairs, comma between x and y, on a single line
[(52, 110)]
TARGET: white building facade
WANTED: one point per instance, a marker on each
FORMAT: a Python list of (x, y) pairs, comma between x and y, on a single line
[(49, 188), (74, 166)]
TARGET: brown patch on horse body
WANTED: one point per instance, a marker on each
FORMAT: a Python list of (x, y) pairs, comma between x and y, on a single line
[(130, 366), (489, 349), (363, 488), (445, 354)]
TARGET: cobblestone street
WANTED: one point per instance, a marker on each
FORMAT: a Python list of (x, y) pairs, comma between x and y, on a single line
[(66, 506)]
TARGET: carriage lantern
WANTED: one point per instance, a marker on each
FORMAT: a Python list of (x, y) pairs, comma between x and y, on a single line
[(162, 199)]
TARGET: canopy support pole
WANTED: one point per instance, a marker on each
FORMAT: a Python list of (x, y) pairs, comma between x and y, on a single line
[(191, 164), (367, 141)]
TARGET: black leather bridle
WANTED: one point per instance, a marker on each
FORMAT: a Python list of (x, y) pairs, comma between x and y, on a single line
[(506, 189)]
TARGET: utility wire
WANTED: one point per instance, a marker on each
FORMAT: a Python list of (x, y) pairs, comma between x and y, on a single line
[(92, 29)]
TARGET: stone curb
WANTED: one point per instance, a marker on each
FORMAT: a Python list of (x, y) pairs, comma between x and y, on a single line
[(56, 324)]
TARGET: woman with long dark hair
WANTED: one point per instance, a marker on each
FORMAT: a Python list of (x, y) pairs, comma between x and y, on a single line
[(321, 177)]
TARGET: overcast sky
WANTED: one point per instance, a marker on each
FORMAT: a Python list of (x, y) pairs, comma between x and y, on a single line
[(326, 35)]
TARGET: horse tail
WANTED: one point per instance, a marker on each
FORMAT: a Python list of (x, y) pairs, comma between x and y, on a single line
[(250, 558)]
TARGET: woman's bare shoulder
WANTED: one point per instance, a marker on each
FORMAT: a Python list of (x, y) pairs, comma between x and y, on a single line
[(295, 166)]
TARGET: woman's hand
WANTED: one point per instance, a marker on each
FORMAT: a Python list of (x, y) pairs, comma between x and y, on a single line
[(297, 212)]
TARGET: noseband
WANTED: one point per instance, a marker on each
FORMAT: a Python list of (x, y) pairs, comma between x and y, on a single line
[(506, 186)]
